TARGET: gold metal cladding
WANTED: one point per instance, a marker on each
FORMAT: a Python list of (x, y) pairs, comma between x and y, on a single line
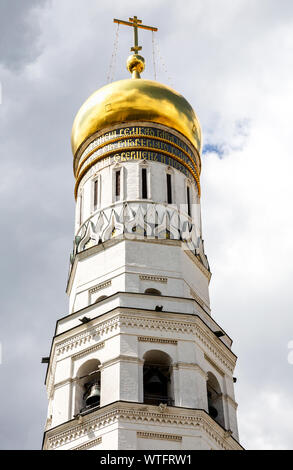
[(136, 63), (164, 152), (78, 163), (135, 22), (136, 136), (135, 100)]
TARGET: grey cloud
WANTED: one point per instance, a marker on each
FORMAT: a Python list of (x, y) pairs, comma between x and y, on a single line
[(19, 32), (36, 184)]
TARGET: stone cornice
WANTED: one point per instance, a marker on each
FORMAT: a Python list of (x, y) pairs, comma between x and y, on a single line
[(150, 277), (121, 358), (199, 300), (203, 269), (100, 286), (88, 445), (123, 321), (158, 436), (88, 350), (137, 413), (152, 339), (207, 358)]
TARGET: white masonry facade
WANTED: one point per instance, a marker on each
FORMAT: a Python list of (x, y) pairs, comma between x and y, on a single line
[(139, 362)]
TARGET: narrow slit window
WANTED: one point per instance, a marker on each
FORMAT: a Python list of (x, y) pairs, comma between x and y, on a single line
[(144, 190), (117, 184), (169, 189), (95, 194), (188, 201), (80, 209)]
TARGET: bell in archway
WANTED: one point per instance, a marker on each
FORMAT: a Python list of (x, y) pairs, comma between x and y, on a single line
[(213, 412), (94, 395), (154, 383)]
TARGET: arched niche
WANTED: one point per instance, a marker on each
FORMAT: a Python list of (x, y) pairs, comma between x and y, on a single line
[(152, 291), (157, 378), (99, 299), (88, 386), (215, 400)]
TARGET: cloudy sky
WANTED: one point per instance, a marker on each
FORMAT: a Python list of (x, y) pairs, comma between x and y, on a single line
[(234, 62)]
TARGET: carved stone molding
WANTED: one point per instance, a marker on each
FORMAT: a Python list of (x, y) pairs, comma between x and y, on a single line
[(100, 286), (88, 335), (151, 339), (209, 360), (156, 435), (149, 277), (141, 220), (88, 351), (88, 445), (135, 414), (150, 321), (184, 327)]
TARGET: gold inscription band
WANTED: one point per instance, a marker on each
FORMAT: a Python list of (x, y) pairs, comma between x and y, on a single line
[(135, 136), (134, 155)]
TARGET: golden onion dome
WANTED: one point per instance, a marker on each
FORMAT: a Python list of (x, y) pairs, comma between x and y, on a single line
[(135, 100)]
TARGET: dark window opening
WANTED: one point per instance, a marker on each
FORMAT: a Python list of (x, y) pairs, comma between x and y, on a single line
[(156, 381), (80, 209), (88, 387), (169, 189), (144, 190), (152, 291), (215, 400), (95, 194), (157, 376), (117, 184), (92, 395), (188, 201)]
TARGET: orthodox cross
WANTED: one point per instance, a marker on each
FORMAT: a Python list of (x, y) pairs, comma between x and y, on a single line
[(135, 23)]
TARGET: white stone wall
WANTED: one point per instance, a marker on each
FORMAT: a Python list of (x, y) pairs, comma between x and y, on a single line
[(124, 263), (106, 288), (120, 349), (131, 186)]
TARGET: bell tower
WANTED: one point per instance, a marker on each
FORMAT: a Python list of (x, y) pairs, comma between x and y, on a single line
[(139, 362)]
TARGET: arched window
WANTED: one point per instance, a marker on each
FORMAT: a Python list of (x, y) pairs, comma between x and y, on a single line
[(95, 193), (215, 400), (188, 200), (102, 297), (88, 387), (144, 184), (169, 188), (117, 184), (157, 378), (80, 209), (152, 292)]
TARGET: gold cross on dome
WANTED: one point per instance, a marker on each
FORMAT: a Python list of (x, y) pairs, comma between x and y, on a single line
[(135, 23)]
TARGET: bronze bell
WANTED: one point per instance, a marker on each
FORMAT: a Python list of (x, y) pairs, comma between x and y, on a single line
[(213, 412), (154, 384), (94, 395)]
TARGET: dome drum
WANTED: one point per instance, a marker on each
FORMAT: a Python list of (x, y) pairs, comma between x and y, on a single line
[(135, 141)]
